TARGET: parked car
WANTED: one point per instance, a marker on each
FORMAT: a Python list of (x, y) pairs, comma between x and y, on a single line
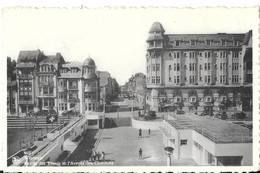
[(180, 112), (223, 116), (152, 114), (238, 115)]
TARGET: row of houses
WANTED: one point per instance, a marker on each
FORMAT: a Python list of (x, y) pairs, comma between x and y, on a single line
[(46, 82)]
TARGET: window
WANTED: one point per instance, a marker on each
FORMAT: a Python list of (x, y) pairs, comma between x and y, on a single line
[(207, 78), (170, 67), (208, 42), (223, 54), (192, 54), (176, 79), (236, 42), (45, 90), (235, 54), (192, 79), (177, 55), (207, 66), (207, 54), (184, 142), (193, 42), (153, 66), (222, 79), (223, 42), (153, 79), (157, 67), (177, 43), (192, 67), (235, 78), (51, 90), (157, 79), (235, 66), (176, 66)]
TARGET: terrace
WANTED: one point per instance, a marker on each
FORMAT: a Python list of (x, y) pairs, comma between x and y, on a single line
[(218, 131)]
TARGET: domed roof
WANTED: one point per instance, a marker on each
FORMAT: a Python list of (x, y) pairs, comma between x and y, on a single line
[(156, 27), (89, 61)]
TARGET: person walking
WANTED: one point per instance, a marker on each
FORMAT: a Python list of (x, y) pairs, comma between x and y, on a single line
[(103, 155), (149, 132), (140, 153), (140, 133)]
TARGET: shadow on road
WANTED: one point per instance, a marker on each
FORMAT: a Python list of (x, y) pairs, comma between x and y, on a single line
[(82, 152)]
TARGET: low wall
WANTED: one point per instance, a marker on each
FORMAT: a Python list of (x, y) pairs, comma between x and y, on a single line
[(153, 125)]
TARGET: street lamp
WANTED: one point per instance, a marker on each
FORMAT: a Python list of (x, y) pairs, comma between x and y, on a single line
[(168, 152)]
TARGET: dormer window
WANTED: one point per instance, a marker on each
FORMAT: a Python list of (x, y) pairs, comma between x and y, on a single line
[(74, 70), (193, 42), (208, 42), (223, 42), (177, 43)]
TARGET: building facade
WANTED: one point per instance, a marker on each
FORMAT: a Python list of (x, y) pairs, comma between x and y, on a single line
[(208, 141), (202, 72), (48, 82), (78, 86)]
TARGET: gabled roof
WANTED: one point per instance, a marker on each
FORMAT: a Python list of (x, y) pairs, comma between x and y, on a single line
[(30, 55), (70, 65)]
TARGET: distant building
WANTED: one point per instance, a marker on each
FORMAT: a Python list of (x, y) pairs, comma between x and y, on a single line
[(202, 72), (105, 85)]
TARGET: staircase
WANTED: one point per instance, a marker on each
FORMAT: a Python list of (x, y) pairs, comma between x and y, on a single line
[(32, 122)]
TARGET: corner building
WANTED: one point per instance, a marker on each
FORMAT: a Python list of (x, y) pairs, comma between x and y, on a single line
[(78, 86), (202, 72)]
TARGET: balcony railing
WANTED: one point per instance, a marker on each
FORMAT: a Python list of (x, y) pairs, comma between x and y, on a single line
[(25, 76), (62, 89), (25, 102), (73, 87), (90, 89), (73, 100), (46, 83)]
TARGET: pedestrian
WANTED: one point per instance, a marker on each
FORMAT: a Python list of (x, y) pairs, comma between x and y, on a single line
[(140, 133), (103, 155), (149, 132), (98, 156), (140, 153), (93, 155)]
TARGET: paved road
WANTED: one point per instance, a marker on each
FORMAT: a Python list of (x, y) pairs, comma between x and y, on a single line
[(122, 144)]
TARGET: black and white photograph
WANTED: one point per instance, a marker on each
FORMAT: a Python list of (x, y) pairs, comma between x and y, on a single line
[(113, 87)]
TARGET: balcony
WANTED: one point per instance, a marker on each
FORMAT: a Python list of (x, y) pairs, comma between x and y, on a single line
[(73, 100), (25, 76), (62, 89), (46, 83), (26, 102), (73, 87), (90, 89)]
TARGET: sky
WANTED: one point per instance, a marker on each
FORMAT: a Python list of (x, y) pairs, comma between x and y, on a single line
[(114, 37)]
